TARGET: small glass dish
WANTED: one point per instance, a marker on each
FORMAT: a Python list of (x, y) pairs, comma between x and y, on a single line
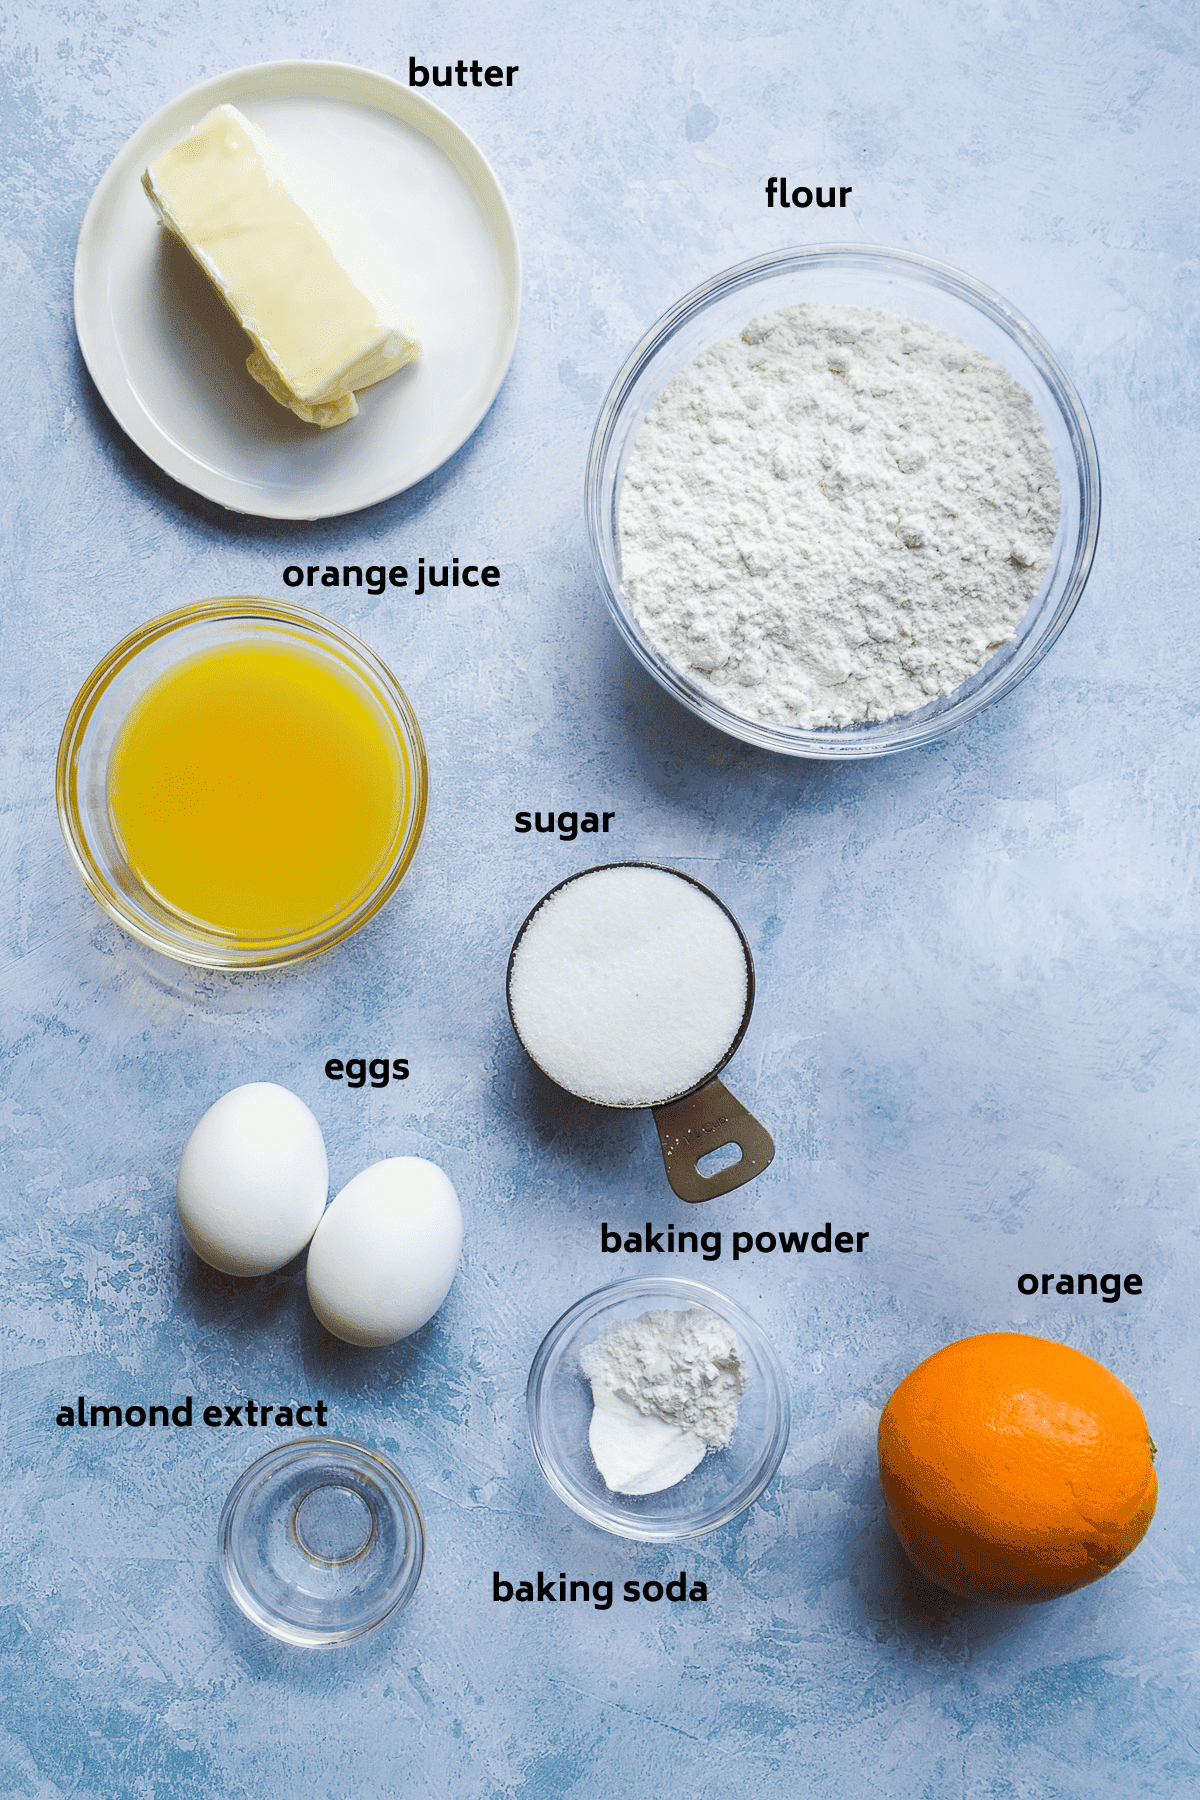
[(559, 1401), (320, 1541), (107, 700), (890, 281)]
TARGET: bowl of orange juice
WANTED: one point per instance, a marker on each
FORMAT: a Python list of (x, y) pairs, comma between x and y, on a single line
[(241, 783)]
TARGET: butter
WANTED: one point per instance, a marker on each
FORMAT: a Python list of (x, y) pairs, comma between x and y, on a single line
[(321, 334)]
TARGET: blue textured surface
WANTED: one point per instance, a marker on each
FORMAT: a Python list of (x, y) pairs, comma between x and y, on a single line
[(976, 1031)]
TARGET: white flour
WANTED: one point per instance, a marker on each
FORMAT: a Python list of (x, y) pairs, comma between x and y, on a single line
[(838, 515), (665, 1388)]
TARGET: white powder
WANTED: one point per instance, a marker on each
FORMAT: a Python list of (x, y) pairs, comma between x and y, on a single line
[(665, 1388), (628, 985), (838, 515)]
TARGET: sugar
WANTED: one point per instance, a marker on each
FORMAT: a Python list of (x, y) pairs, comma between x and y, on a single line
[(629, 985)]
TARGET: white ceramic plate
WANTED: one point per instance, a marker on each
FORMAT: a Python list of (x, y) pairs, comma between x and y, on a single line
[(413, 198)]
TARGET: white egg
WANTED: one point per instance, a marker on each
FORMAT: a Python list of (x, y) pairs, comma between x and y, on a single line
[(253, 1181), (385, 1253)]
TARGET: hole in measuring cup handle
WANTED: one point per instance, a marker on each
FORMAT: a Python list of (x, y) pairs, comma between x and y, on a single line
[(703, 1121)]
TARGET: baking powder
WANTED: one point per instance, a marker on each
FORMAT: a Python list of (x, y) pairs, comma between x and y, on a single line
[(838, 515), (665, 1388)]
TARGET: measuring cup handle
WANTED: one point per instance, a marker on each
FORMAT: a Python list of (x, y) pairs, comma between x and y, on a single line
[(707, 1120)]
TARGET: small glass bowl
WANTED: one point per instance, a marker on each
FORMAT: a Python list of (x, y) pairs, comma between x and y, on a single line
[(320, 1541), (93, 727), (559, 1400), (890, 281)]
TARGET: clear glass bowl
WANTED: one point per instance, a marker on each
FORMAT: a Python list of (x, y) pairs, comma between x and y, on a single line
[(320, 1541), (93, 727), (559, 1400), (891, 281)]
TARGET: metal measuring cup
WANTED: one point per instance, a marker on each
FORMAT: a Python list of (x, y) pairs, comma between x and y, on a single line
[(706, 1116)]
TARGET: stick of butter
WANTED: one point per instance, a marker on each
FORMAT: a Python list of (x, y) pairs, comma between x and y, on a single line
[(320, 333)]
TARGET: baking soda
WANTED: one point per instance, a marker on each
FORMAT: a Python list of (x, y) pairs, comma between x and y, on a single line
[(665, 1389)]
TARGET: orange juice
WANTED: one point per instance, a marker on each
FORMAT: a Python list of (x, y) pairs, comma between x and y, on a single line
[(258, 789)]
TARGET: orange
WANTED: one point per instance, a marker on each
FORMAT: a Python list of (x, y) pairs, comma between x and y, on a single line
[(1015, 1469)]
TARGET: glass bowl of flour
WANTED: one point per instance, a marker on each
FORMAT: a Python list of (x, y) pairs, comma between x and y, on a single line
[(714, 1338), (840, 500)]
